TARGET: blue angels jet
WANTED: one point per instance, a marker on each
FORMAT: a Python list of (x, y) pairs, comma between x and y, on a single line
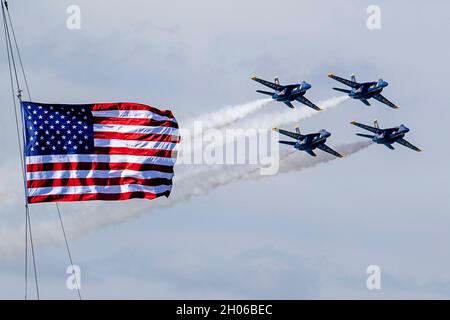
[(287, 93), (386, 136), (308, 142), (364, 91)]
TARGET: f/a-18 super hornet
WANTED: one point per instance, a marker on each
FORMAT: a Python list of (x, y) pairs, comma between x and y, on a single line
[(386, 136), (308, 142), (287, 93), (364, 91)]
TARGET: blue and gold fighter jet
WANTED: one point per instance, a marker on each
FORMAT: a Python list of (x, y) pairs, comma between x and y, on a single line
[(386, 136), (308, 142), (287, 93), (364, 91)]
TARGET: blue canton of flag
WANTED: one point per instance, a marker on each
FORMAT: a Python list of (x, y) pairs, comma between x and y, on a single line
[(59, 129)]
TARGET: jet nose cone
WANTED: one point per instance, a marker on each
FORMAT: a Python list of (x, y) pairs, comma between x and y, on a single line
[(404, 128), (306, 85), (382, 83), (324, 133)]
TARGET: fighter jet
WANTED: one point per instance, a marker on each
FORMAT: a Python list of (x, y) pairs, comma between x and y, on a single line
[(386, 136), (287, 93), (308, 142), (364, 91)]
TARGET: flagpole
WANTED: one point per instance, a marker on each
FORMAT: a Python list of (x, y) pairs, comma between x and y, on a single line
[(21, 144)]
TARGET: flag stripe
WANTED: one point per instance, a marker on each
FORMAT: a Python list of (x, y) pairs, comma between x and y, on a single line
[(136, 136), (65, 174), (129, 114), (45, 183), (134, 152), (134, 129), (97, 196), (115, 158), (115, 143), (136, 122), (130, 106), (97, 166), (32, 192)]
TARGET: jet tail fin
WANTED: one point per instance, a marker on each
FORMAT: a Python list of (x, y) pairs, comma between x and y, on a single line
[(297, 129), (277, 80), (375, 124), (353, 77)]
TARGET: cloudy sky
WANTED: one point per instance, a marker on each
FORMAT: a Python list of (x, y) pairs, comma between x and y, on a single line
[(308, 234)]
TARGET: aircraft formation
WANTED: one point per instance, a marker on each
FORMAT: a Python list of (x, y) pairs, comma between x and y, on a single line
[(360, 91)]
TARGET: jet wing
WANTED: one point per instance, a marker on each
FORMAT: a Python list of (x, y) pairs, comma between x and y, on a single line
[(407, 144), (272, 85), (366, 127), (382, 99), (296, 136), (308, 103), (344, 81), (326, 148)]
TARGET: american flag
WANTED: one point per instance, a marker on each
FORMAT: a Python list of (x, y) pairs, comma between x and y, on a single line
[(105, 151)]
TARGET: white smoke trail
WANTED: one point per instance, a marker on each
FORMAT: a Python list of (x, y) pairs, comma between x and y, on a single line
[(290, 115), (216, 119), (225, 116), (229, 115), (184, 189), (261, 121)]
